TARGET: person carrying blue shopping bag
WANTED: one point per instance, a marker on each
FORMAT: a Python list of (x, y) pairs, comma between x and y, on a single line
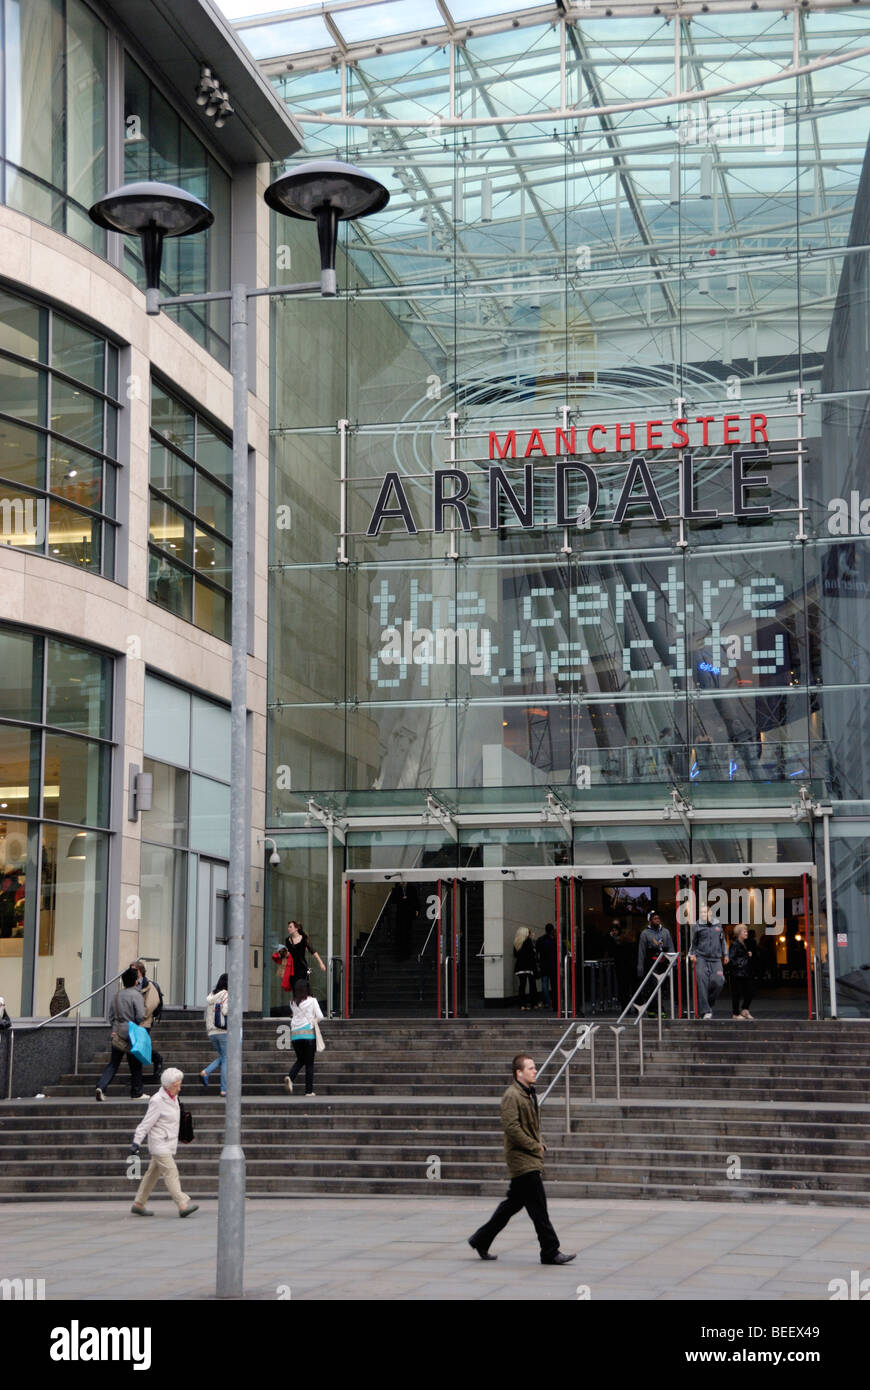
[(125, 1008), (216, 1005)]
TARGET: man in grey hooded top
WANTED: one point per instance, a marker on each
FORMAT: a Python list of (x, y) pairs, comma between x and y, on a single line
[(655, 940), (709, 950)]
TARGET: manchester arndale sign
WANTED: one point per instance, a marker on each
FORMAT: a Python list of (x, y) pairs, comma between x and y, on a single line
[(451, 487)]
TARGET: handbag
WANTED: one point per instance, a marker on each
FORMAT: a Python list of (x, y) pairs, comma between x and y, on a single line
[(185, 1125), (140, 1043), (320, 1045)]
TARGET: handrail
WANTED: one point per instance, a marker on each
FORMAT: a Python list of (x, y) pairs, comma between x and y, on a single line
[(584, 1033), (112, 980), (386, 904), (671, 957), (441, 902), (560, 1044)]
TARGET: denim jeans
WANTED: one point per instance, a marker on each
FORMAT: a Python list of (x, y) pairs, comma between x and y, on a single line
[(219, 1043)]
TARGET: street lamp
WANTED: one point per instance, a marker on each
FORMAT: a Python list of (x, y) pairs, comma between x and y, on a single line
[(325, 192)]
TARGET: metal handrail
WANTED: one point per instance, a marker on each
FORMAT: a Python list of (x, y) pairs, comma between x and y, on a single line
[(671, 957), (377, 921)]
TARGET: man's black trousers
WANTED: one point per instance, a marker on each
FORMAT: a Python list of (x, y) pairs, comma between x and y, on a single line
[(525, 1191)]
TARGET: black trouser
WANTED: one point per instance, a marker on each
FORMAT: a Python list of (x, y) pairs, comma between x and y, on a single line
[(742, 987), (525, 1191), (113, 1065), (156, 1057), (527, 981), (305, 1050)]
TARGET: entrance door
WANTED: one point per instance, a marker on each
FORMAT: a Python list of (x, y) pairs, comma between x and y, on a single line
[(399, 940)]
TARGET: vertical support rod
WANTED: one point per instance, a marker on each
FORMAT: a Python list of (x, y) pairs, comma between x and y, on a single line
[(677, 61), (11, 1062), (573, 953), (76, 1061), (829, 914), (659, 1002), (453, 416), (807, 948), (802, 530), (231, 1169), (617, 1037), (568, 1099), (438, 955), (679, 950), (640, 1040), (560, 964), (592, 1033), (330, 912), (348, 937), (342, 474)]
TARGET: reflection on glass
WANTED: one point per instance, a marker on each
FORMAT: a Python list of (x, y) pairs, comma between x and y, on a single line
[(78, 689), (71, 927), (167, 820), (76, 780)]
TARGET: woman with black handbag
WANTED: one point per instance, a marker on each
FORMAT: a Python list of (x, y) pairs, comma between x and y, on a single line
[(161, 1125)]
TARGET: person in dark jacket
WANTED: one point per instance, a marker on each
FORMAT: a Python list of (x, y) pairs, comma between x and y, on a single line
[(125, 1008), (546, 949), (524, 1155), (655, 940), (742, 984), (152, 998), (525, 968), (709, 950), (622, 951)]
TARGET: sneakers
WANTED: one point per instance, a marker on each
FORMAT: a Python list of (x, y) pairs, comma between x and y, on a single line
[(558, 1259), (98, 1095), (140, 1211), (308, 1094), (707, 1016), (189, 1209), (141, 1096), (744, 1013), (203, 1080), (288, 1085)]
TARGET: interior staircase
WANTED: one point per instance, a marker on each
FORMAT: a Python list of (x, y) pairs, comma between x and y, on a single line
[(727, 1110)]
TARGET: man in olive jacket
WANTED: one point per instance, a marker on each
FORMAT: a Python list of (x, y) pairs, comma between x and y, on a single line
[(524, 1154)]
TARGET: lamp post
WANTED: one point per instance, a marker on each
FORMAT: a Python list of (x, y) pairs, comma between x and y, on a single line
[(324, 192)]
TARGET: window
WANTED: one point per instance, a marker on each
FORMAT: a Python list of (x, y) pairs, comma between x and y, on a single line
[(159, 145), (190, 562), (58, 436), (55, 764)]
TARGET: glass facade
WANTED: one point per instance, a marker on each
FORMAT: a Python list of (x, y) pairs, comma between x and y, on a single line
[(190, 531), (569, 490), (58, 437), (55, 751), (185, 840), (57, 158)]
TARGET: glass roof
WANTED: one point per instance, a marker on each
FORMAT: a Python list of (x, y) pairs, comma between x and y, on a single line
[(551, 202)]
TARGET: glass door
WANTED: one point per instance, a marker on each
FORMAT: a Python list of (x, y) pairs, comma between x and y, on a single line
[(400, 942)]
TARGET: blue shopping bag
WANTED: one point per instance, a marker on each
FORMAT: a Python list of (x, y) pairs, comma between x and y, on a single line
[(140, 1043)]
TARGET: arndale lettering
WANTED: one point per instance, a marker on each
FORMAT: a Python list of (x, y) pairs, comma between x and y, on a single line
[(451, 495)]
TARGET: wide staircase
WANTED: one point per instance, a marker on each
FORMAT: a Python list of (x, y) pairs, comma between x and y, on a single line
[(725, 1110)]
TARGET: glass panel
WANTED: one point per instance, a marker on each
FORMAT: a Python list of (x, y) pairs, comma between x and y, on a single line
[(22, 455), (213, 557), (76, 476), (172, 531), (170, 586), (72, 917), (85, 130), (213, 505), (167, 722), (19, 772), (212, 611), (162, 930), (22, 520), (77, 352), (22, 327), (35, 44), (214, 453), (20, 675), (167, 819), (173, 420), (210, 816), (74, 537), (210, 739), (78, 689), (13, 889), (22, 391), (76, 784), (171, 475), (77, 414)]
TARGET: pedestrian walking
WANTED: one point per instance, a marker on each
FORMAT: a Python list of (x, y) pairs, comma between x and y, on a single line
[(742, 982), (654, 942), (299, 947), (125, 1008), (304, 1035), (524, 1155), (152, 998), (159, 1125), (709, 949), (546, 949), (216, 1006), (525, 967)]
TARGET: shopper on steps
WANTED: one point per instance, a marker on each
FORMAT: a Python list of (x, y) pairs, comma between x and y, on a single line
[(126, 1007), (304, 1036), (216, 1006)]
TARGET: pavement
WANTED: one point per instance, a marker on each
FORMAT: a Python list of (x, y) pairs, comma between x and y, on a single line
[(401, 1248)]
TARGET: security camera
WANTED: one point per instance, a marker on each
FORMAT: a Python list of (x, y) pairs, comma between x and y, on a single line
[(274, 858), (746, 873), (628, 873)]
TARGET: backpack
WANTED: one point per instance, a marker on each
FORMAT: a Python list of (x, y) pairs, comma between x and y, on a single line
[(155, 1017), (220, 1018)]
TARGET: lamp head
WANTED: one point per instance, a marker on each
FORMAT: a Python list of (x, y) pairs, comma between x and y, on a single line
[(151, 211), (327, 192)]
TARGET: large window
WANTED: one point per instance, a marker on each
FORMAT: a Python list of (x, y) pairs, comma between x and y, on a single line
[(159, 145), (190, 564), (58, 437), (185, 839), (55, 765), (55, 114)]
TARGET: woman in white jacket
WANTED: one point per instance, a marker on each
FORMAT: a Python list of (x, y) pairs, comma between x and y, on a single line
[(160, 1124), (303, 1035)]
